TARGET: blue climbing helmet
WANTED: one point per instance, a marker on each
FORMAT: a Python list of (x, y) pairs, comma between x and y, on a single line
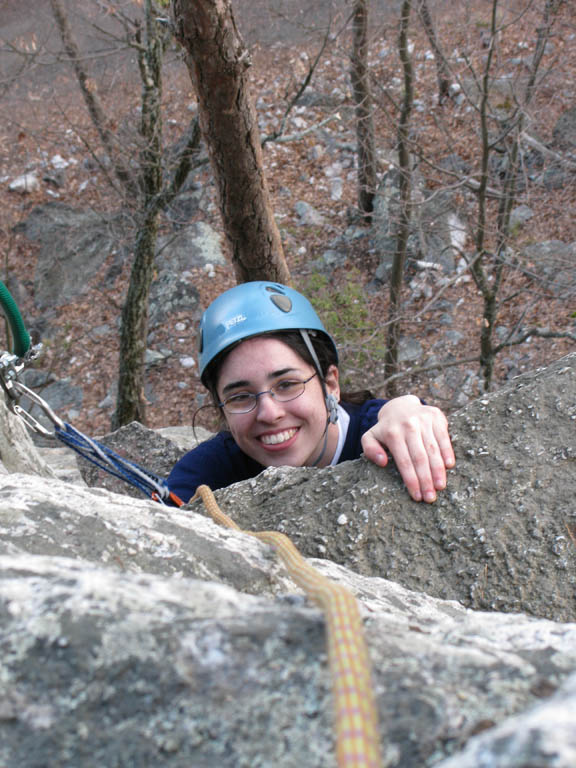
[(252, 309)]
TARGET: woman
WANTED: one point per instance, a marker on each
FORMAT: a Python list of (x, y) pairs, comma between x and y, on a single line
[(272, 369)]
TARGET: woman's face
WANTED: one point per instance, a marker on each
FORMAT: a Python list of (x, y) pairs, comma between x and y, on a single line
[(275, 433)]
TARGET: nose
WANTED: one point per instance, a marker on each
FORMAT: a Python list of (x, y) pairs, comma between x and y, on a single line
[(267, 408)]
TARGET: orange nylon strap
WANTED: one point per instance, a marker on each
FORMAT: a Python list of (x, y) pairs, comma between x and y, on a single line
[(356, 722)]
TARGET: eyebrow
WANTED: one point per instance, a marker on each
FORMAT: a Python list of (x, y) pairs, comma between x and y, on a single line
[(246, 383)]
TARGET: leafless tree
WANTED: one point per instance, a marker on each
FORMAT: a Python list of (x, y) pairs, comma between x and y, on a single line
[(90, 96), (360, 77), (218, 62), (143, 186), (500, 126), (490, 264), (442, 66), (405, 194)]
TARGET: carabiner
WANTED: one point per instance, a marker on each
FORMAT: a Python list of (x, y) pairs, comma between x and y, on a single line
[(30, 421)]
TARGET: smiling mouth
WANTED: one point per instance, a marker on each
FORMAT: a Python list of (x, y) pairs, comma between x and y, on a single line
[(278, 437)]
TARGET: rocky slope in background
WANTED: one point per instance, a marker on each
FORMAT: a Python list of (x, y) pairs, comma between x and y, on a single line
[(137, 635), (68, 237)]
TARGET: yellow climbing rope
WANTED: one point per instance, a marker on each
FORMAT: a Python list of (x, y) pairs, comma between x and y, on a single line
[(356, 721)]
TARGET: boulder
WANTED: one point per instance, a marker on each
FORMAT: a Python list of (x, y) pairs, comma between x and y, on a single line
[(106, 662), (17, 450), (173, 290), (437, 230), (553, 263), (501, 537), (138, 634), (564, 132), (74, 244), (543, 735), (158, 451)]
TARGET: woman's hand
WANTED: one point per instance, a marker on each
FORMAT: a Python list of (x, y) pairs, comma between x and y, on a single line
[(417, 437)]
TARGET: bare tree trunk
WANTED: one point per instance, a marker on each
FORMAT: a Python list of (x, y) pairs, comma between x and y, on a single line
[(490, 284), (218, 61), (131, 401), (405, 184), (149, 195), (477, 267), (91, 100), (364, 116), (442, 68)]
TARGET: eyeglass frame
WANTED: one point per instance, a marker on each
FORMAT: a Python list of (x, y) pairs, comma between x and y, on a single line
[(270, 392)]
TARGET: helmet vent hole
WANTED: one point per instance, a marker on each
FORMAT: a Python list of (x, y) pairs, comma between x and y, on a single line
[(282, 302)]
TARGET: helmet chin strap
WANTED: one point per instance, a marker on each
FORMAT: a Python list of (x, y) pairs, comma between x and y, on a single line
[(323, 451), (329, 399)]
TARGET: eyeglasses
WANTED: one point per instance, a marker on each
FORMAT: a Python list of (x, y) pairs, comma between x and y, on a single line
[(284, 391)]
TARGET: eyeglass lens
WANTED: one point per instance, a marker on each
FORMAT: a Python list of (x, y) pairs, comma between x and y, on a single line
[(284, 391)]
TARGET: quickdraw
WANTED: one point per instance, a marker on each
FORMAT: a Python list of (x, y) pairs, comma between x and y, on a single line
[(12, 364)]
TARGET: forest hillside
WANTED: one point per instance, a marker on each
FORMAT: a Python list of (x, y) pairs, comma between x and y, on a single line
[(67, 236)]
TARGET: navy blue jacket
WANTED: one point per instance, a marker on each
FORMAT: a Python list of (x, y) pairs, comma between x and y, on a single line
[(219, 462)]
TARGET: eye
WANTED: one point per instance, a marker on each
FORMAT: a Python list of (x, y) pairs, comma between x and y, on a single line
[(286, 386), (239, 398)]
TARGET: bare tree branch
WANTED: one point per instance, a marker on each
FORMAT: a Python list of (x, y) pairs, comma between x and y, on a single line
[(289, 137), (556, 156), (442, 68), (275, 136), (542, 333), (91, 99)]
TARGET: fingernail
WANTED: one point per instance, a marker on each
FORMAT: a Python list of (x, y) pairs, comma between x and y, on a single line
[(429, 497), (417, 496)]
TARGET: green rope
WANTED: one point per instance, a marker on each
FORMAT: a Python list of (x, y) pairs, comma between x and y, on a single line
[(20, 336)]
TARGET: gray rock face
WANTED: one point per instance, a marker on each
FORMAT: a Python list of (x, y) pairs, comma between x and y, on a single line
[(545, 732), (17, 451), (49, 518), (74, 244), (554, 263), (564, 133), (437, 229), (134, 634), (173, 291), (138, 444), (155, 450), (103, 667)]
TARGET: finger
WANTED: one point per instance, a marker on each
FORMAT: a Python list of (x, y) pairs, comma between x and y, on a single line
[(397, 440), (373, 449), (405, 465), (444, 443), (407, 450), (437, 445), (425, 464), (436, 457)]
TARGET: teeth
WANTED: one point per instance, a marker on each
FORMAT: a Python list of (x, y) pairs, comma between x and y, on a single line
[(279, 437)]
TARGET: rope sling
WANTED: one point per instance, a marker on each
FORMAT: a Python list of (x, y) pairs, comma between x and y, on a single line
[(355, 714)]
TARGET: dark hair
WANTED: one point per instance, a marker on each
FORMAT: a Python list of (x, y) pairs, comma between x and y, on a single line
[(323, 347)]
